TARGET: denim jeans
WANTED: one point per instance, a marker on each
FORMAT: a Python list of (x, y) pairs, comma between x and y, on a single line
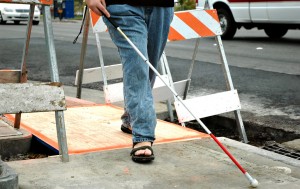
[(147, 28)]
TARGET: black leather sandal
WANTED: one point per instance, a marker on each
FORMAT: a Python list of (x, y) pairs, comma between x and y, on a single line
[(142, 158)]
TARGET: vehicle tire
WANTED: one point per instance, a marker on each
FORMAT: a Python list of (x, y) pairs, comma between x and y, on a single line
[(227, 23), (1, 19), (16, 22), (275, 32), (35, 22)]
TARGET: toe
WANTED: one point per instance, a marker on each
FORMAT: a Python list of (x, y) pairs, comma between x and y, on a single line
[(145, 152)]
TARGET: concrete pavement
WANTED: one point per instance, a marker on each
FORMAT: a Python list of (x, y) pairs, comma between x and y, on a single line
[(189, 164)]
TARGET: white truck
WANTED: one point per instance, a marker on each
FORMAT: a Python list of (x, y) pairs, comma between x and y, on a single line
[(275, 17)]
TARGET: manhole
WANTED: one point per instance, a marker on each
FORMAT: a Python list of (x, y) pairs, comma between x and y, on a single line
[(274, 147)]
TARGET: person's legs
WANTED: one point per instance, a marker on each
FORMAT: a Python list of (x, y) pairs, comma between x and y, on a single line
[(157, 38), (158, 22), (148, 28), (137, 90)]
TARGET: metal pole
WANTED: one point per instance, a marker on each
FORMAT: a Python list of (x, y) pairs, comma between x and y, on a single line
[(59, 115), (191, 69), (165, 70), (229, 84)]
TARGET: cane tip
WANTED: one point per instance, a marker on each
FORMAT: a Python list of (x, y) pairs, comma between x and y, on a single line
[(254, 183)]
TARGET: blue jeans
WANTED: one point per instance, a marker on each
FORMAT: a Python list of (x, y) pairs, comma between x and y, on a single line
[(147, 28)]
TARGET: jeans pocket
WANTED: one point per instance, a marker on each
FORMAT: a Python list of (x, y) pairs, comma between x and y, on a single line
[(121, 10)]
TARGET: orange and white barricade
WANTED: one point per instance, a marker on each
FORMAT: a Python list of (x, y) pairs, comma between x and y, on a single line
[(185, 25)]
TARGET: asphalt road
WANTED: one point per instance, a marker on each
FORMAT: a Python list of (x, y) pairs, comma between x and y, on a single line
[(249, 49), (265, 72)]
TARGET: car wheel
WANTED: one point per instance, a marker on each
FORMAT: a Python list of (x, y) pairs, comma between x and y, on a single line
[(16, 22), (1, 19), (276, 32), (35, 22), (227, 24)]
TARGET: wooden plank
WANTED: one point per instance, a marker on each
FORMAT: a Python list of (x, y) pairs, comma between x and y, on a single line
[(10, 76), (209, 105), (46, 2), (97, 128), (92, 75), (29, 97)]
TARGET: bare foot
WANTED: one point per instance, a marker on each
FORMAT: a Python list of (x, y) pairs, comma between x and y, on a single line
[(145, 152)]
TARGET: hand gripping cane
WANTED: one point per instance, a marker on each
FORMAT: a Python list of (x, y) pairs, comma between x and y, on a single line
[(253, 181)]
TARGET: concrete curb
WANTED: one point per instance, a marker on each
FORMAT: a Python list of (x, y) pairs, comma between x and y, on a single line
[(8, 177), (268, 154)]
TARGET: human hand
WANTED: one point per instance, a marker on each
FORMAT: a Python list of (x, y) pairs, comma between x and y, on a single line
[(98, 7)]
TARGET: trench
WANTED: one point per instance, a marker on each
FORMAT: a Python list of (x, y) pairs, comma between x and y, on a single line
[(267, 138)]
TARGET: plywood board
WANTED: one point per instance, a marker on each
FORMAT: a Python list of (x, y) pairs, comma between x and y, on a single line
[(96, 128), (10, 76)]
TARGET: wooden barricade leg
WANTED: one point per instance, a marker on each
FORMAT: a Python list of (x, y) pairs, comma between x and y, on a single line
[(59, 115), (23, 75), (83, 51)]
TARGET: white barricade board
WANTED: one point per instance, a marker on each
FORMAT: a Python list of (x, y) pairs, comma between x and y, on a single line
[(91, 75), (114, 92), (208, 105)]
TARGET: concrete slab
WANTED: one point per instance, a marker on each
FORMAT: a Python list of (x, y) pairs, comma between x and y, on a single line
[(190, 164), (7, 130), (294, 144)]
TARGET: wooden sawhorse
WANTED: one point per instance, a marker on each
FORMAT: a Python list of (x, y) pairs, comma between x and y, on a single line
[(18, 97)]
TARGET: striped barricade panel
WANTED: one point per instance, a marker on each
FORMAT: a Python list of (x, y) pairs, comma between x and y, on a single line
[(97, 23), (185, 25)]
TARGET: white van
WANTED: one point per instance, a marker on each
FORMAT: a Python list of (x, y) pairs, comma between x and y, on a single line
[(17, 13), (276, 17)]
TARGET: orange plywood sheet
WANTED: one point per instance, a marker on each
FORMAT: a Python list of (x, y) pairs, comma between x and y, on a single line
[(93, 127)]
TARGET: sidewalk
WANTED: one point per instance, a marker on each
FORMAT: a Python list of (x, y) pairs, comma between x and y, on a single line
[(190, 164), (198, 163)]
